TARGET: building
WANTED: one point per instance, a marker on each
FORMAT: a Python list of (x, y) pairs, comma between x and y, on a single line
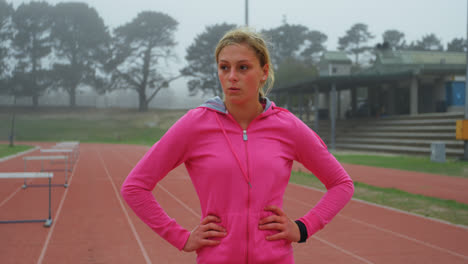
[(403, 103), (398, 83)]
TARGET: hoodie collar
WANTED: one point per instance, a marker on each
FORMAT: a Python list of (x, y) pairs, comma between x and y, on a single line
[(216, 103)]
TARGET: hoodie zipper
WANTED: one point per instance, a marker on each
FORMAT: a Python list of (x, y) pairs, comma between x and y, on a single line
[(245, 138), (246, 174)]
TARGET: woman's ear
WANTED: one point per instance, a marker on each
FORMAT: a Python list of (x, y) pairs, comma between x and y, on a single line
[(265, 72)]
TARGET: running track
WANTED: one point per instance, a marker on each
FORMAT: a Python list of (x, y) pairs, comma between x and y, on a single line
[(93, 225)]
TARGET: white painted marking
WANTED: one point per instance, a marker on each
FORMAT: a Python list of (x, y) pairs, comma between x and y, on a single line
[(10, 196), (389, 208), (341, 249), (179, 201), (387, 231), (132, 227), (164, 189), (57, 215)]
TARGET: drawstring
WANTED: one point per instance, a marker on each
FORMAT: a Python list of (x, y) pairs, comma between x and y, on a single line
[(232, 150)]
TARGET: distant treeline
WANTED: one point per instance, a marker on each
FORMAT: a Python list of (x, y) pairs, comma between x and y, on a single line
[(65, 46)]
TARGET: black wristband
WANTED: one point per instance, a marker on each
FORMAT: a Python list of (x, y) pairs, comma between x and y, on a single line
[(303, 230)]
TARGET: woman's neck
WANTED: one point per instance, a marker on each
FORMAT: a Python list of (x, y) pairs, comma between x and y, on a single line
[(244, 113)]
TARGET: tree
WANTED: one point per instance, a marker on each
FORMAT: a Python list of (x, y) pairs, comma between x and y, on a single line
[(355, 40), (80, 39), (295, 41), (394, 38), (315, 45), (140, 46), (6, 11), (457, 45), (32, 42), (293, 70), (202, 68), (428, 43)]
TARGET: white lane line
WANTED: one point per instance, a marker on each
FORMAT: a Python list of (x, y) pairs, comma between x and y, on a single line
[(10, 196), (389, 208), (179, 201), (407, 237), (132, 227), (164, 189), (57, 215), (10, 157), (387, 231), (342, 249)]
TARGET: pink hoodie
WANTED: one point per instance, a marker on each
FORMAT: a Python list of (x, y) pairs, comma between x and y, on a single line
[(236, 173)]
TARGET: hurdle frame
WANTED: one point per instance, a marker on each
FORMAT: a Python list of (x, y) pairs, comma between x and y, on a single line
[(19, 175), (42, 158), (71, 152)]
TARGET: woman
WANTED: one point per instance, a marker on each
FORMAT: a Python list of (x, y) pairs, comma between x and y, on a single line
[(239, 153)]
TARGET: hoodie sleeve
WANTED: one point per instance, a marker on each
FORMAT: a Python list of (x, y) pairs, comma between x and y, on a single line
[(314, 155), (168, 153)]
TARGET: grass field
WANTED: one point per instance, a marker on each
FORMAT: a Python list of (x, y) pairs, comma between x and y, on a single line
[(447, 210), (90, 125)]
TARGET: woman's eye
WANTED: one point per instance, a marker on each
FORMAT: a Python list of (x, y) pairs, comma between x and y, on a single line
[(223, 67), (244, 67)]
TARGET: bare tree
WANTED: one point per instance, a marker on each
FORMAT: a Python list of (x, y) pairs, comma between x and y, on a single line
[(140, 49)]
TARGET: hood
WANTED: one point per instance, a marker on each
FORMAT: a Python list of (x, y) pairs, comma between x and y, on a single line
[(217, 104)]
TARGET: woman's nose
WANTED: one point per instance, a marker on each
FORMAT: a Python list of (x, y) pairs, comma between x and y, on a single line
[(233, 75)]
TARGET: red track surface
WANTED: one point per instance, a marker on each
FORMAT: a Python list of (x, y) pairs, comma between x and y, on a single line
[(93, 225), (445, 187)]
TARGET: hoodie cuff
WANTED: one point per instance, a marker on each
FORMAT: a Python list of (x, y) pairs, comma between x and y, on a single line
[(303, 231), (175, 235), (312, 222)]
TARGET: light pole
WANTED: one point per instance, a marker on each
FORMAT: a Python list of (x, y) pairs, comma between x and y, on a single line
[(465, 155), (246, 13)]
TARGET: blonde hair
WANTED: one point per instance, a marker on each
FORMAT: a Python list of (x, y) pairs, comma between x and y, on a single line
[(257, 43)]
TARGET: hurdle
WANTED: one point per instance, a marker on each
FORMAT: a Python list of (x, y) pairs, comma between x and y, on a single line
[(75, 145), (73, 155), (42, 158), (20, 175), (68, 143)]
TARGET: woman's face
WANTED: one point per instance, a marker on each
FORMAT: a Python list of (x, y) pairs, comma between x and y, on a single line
[(240, 73)]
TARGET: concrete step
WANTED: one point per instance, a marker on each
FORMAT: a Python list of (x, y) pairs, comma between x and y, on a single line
[(401, 135), (446, 115), (397, 142), (424, 122), (407, 128)]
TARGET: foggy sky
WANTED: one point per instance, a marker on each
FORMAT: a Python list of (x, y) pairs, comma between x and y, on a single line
[(415, 18)]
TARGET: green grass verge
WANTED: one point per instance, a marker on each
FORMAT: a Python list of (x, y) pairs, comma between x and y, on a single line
[(103, 126), (447, 210), (6, 150), (451, 167), (104, 131)]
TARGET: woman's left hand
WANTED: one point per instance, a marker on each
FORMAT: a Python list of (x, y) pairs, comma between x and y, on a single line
[(287, 228)]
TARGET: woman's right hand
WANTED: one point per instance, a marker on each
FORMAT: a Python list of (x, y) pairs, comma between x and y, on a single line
[(200, 236)]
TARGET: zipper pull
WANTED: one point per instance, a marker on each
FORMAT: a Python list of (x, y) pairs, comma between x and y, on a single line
[(245, 135), (250, 185)]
